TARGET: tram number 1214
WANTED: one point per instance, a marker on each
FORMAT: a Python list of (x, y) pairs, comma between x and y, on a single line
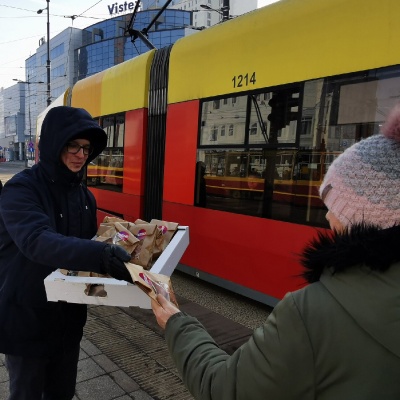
[(244, 80)]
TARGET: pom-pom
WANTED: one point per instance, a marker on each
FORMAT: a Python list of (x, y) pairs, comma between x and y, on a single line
[(391, 128)]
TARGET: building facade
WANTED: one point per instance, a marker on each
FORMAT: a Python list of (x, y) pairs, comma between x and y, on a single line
[(105, 44), (12, 130), (202, 17), (76, 54)]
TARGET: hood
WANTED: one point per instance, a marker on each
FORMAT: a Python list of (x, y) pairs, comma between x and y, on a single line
[(361, 270), (61, 125), (364, 244)]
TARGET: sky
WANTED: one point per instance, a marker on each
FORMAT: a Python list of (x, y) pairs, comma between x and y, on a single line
[(21, 28)]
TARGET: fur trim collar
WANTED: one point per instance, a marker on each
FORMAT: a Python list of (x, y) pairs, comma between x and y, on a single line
[(363, 244)]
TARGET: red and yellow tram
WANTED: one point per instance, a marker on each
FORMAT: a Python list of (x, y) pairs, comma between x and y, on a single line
[(195, 134)]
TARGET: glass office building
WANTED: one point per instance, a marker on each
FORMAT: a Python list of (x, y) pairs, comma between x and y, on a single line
[(104, 44)]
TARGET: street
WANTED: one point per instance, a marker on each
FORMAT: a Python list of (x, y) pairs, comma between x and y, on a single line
[(9, 168)]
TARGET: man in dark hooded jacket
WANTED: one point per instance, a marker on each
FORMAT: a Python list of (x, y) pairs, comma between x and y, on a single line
[(47, 220)]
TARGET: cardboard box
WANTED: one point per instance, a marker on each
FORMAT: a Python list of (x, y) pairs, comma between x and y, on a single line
[(71, 289)]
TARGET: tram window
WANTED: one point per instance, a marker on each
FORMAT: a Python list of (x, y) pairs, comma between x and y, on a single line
[(119, 131), (262, 131), (108, 125), (106, 170), (236, 181), (214, 118), (244, 174)]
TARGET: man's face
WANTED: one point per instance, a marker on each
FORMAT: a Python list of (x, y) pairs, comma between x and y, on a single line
[(75, 154)]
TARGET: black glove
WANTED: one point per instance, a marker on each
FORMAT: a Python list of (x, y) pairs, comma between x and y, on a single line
[(113, 259)]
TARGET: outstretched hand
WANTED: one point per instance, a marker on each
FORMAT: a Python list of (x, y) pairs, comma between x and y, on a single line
[(113, 262), (163, 309)]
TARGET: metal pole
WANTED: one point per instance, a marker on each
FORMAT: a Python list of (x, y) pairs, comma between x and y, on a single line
[(48, 55), (29, 116)]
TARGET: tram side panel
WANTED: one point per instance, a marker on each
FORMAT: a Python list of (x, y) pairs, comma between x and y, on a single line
[(253, 254), (180, 152)]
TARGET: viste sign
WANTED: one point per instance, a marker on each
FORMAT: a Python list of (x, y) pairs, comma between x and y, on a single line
[(116, 8)]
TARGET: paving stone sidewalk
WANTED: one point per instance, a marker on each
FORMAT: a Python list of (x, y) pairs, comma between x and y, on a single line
[(98, 378)]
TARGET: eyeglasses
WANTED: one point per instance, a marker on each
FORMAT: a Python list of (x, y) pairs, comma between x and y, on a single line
[(75, 148)]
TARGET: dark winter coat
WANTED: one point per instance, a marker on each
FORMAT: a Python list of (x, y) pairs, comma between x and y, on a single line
[(47, 218), (338, 338)]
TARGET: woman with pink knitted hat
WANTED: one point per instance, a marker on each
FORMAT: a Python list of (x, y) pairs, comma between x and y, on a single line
[(362, 185), (337, 338)]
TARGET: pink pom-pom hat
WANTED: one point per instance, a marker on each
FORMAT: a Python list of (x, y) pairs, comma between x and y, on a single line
[(363, 184)]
